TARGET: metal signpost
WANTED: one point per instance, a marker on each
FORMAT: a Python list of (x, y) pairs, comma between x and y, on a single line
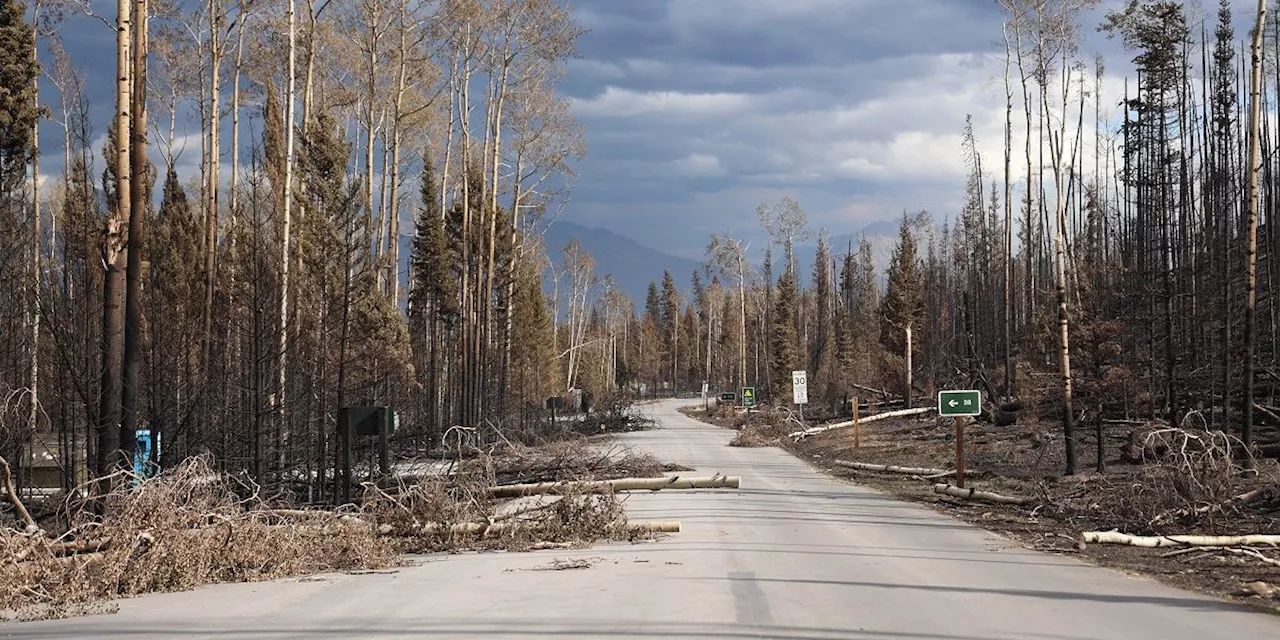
[(959, 405), (800, 390)]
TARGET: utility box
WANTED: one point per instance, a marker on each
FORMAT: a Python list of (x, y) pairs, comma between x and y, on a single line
[(367, 421)]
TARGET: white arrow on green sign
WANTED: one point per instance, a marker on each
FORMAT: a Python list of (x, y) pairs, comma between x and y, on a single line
[(959, 403)]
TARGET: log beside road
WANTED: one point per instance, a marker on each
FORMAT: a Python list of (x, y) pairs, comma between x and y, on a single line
[(657, 526), (902, 413), (1153, 542), (889, 468), (610, 486), (981, 496)]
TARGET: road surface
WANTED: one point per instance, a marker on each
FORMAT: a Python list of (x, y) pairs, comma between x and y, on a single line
[(792, 554)]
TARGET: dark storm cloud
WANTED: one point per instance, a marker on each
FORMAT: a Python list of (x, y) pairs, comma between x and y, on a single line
[(699, 109)]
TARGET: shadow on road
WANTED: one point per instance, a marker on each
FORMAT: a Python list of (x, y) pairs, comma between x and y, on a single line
[(1176, 602), (514, 628)]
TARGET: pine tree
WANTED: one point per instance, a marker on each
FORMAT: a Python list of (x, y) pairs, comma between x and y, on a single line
[(823, 360), (846, 333), (18, 112), (903, 305), (174, 302), (532, 361), (784, 357), (864, 311), (671, 327)]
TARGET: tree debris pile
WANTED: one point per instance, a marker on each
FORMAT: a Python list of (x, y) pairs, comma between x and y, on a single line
[(764, 427), (192, 526), (432, 516), (174, 532), (572, 459)]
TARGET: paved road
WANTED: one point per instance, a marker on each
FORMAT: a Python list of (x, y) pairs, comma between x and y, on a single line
[(790, 555)]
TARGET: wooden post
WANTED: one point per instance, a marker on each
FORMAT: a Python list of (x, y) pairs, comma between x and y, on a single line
[(960, 451), (857, 428)]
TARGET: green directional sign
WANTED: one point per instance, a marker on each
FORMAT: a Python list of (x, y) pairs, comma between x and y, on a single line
[(748, 396), (959, 403), (728, 397)]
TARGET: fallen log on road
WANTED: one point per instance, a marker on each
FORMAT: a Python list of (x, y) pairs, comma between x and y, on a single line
[(872, 418), (889, 468), (610, 486), (981, 496), (1115, 537), (659, 526)]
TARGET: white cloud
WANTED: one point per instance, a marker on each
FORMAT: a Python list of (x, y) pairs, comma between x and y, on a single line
[(701, 164), (623, 103)]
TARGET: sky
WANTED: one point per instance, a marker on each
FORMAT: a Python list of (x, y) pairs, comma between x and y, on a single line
[(696, 111)]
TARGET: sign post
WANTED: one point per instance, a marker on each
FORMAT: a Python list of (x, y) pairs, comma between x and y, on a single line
[(857, 428), (800, 390), (706, 399), (959, 404)]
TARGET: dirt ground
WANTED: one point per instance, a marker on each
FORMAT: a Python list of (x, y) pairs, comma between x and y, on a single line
[(1187, 494)]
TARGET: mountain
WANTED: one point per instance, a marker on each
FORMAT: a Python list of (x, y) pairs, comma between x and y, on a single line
[(632, 265)]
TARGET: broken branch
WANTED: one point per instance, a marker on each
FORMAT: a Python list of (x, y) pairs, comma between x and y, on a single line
[(6, 483)]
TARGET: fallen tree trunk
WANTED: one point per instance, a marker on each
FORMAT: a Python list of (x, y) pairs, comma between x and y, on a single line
[(879, 416), (1115, 537), (889, 468), (609, 486), (981, 496), (669, 526)]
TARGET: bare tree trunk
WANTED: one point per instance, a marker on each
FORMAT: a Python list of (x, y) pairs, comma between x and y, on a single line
[(211, 192), (448, 143), (282, 352), (397, 133), (34, 309), (313, 18), (113, 283), (235, 119), (1251, 247), (137, 213), (1010, 375)]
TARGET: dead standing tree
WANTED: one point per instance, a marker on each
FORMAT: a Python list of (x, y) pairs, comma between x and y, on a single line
[(1251, 232)]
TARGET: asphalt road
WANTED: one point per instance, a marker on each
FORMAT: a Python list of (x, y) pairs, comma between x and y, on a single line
[(792, 554)]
